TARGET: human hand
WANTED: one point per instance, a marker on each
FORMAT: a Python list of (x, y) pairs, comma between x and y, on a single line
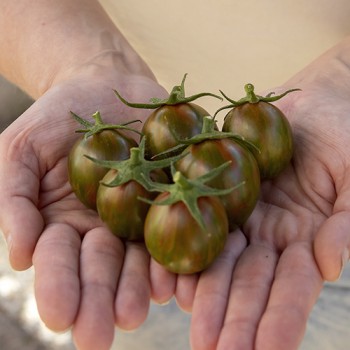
[(85, 277), (260, 296)]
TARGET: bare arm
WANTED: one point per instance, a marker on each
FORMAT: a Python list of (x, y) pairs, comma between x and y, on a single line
[(69, 56), (42, 42)]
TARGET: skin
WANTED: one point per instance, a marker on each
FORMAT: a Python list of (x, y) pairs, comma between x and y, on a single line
[(83, 274), (298, 235), (86, 278)]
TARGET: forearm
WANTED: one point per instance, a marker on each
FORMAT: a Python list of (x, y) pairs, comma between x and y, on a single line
[(44, 41)]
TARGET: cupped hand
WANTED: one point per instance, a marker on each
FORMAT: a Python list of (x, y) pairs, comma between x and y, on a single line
[(259, 293), (84, 276)]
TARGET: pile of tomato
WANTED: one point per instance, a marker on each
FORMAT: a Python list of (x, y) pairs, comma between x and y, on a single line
[(186, 184)]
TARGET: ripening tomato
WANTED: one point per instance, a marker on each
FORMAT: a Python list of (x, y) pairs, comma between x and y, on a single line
[(266, 127), (121, 209), (84, 175), (176, 240), (206, 155), (168, 123)]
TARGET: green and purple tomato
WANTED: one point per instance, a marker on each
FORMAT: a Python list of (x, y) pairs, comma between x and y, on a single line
[(83, 174), (243, 170), (175, 239), (170, 123), (268, 129), (121, 209)]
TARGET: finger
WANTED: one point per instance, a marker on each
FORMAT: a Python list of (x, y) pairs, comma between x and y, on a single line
[(163, 283), (332, 245), (20, 220), (57, 287), (134, 290), (186, 286), (101, 260), (250, 288), (295, 289), (212, 293)]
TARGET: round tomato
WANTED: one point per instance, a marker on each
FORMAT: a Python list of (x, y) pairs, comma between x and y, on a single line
[(267, 128), (119, 207), (174, 118), (175, 239), (84, 175), (243, 170), (170, 123)]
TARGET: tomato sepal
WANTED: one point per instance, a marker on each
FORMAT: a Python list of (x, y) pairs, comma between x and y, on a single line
[(189, 190), (99, 126), (176, 96), (251, 97), (136, 167)]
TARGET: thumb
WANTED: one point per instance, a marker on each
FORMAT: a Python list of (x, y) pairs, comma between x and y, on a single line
[(332, 245)]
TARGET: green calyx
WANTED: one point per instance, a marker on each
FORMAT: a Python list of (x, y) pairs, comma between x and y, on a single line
[(99, 126), (177, 96), (189, 190), (251, 97), (208, 132), (135, 168)]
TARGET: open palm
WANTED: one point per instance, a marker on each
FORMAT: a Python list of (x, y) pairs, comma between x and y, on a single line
[(78, 263), (259, 294)]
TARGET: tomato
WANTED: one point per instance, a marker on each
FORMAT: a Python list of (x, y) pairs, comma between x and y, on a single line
[(83, 174), (265, 126), (175, 239), (174, 118), (121, 210), (167, 124), (209, 154)]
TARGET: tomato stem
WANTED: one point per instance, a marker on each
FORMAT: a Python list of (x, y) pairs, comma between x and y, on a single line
[(209, 125), (98, 118), (99, 126), (251, 97)]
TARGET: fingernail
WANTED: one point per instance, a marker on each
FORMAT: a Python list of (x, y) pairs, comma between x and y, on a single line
[(344, 261)]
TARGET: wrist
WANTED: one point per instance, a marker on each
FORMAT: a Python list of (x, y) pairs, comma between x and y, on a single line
[(56, 40), (117, 58)]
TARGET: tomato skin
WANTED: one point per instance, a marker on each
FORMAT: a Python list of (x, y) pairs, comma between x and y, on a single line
[(175, 239), (121, 210), (183, 120), (264, 125), (84, 175), (209, 154)]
